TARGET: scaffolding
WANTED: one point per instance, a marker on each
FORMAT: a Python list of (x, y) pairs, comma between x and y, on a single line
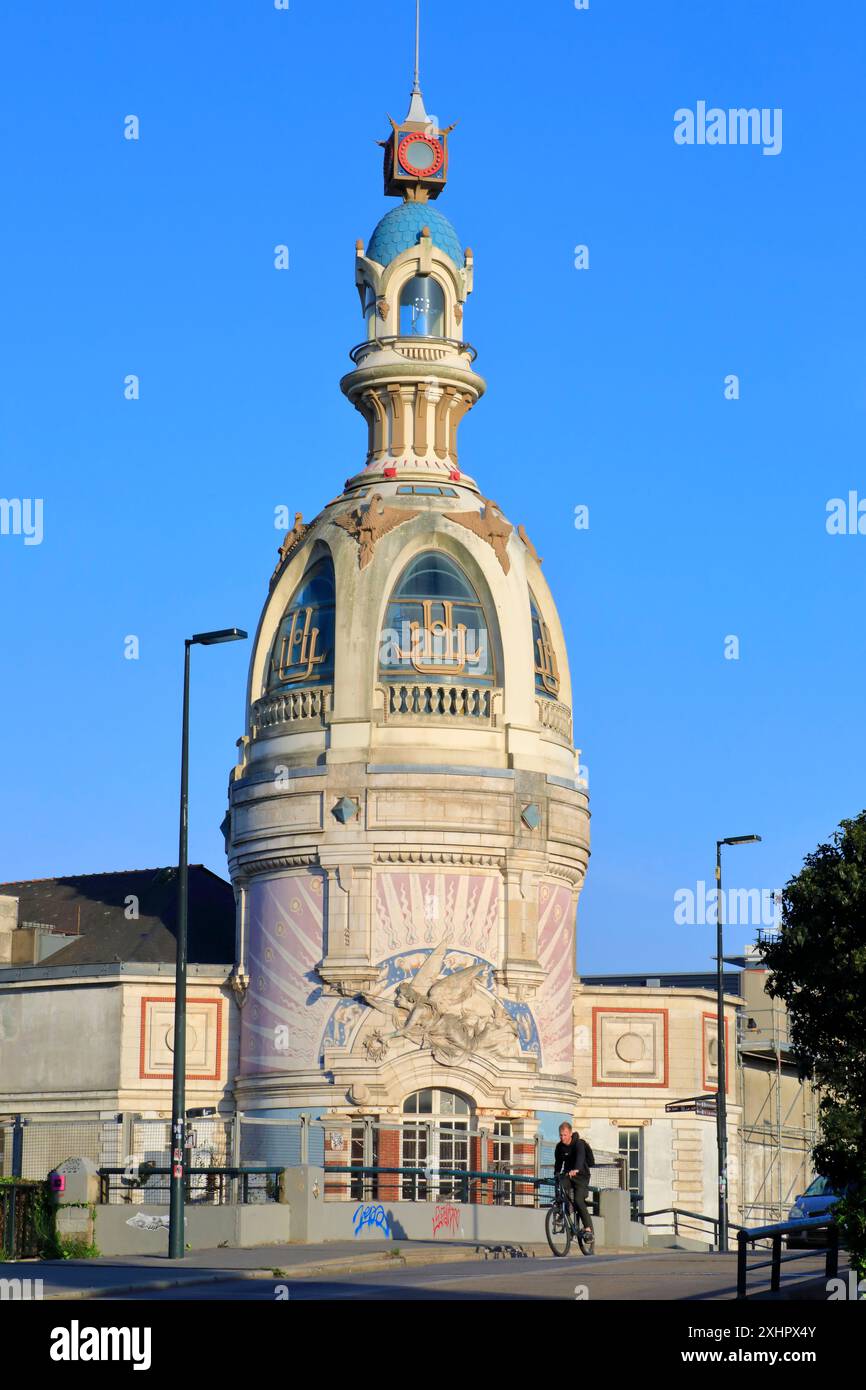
[(779, 1125)]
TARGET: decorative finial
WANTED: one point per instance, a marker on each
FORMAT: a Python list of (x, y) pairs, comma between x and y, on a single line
[(416, 112), (416, 154), (417, 84)]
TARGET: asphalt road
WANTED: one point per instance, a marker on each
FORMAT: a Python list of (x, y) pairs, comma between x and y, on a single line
[(638, 1277)]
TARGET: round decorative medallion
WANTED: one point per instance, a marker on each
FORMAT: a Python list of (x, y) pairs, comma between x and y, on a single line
[(630, 1048), (191, 1037), (421, 155)]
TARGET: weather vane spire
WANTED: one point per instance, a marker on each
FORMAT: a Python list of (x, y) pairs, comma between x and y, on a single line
[(416, 155), (417, 84)]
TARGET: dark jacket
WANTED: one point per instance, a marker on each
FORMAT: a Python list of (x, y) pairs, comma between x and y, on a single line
[(567, 1157)]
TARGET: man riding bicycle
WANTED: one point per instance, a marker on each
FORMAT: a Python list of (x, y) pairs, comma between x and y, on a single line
[(571, 1170)]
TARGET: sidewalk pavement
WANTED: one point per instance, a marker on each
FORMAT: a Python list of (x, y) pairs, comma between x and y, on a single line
[(111, 1275)]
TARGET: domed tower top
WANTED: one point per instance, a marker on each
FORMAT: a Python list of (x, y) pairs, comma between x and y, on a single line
[(409, 623), (414, 380)]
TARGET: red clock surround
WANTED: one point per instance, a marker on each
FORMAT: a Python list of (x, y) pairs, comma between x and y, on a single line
[(432, 144)]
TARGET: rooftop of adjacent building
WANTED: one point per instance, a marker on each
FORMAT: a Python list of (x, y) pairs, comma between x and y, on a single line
[(699, 979), (84, 919)]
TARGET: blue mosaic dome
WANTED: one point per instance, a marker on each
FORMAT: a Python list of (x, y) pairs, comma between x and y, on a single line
[(401, 227)]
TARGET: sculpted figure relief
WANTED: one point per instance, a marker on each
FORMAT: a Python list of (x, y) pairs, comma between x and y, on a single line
[(451, 1014), (292, 541), (490, 525), (367, 525)]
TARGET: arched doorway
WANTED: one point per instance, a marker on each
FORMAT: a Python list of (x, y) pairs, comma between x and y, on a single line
[(436, 1132)]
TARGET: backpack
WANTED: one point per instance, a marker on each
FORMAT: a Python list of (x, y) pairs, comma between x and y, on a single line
[(590, 1156)]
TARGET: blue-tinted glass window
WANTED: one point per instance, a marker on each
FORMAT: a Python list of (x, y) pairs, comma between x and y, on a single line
[(303, 651), (422, 308), (435, 626), (544, 656)]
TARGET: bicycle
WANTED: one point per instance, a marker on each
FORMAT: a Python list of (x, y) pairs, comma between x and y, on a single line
[(560, 1226)]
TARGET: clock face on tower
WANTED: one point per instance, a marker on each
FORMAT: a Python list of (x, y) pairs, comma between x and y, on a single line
[(422, 156)]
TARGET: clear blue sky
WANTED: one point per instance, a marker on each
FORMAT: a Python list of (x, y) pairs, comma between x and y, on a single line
[(707, 516)]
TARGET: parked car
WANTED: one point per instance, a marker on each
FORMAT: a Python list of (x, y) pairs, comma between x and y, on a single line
[(818, 1198)]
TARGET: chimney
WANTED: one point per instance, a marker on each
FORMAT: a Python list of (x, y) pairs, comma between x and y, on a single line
[(8, 924)]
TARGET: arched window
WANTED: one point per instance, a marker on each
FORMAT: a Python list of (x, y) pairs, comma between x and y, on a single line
[(544, 657), (422, 308), (436, 1127), (303, 650), (435, 626)]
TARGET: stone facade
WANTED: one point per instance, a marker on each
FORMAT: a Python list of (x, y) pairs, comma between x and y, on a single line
[(97, 1040)]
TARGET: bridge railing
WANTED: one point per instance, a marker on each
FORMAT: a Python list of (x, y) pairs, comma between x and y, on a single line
[(471, 1187), (679, 1221), (207, 1186), (774, 1234)]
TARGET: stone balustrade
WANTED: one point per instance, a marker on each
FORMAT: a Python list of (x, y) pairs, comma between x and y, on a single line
[(425, 700), (292, 706), (556, 717)]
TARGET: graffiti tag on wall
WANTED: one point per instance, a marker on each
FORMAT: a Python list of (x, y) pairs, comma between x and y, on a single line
[(369, 1216), (446, 1218)]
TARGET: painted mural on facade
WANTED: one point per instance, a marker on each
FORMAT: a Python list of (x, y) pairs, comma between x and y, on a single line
[(418, 909), (285, 1014), (556, 947)]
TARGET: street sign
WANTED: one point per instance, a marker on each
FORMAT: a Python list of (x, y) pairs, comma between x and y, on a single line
[(694, 1105)]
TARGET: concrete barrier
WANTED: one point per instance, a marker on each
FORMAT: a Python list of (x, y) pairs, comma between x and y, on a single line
[(620, 1230), (303, 1217), (126, 1229)]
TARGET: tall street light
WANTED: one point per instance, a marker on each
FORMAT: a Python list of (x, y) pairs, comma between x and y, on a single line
[(178, 1079), (722, 1069)]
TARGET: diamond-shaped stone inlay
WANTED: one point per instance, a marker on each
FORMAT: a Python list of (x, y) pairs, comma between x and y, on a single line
[(531, 816), (345, 810)]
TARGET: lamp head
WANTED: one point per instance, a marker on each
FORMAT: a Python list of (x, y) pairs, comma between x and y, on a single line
[(211, 639)]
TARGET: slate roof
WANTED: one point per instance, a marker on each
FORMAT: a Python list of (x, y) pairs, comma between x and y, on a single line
[(401, 228), (93, 906)]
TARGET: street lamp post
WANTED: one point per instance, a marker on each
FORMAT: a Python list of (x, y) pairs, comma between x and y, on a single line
[(722, 1068), (177, 1139)]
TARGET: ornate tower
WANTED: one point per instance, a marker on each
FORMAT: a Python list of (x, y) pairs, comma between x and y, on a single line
[(407, 837)]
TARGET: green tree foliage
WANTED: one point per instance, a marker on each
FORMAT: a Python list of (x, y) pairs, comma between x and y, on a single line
[(818, 967)]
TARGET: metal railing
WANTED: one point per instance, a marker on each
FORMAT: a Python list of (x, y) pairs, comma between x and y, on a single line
[(207, 1186), (33, 1147), (19, 1234), (682, 1220), (420, 348), (774, 1234), (469, 1187)]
